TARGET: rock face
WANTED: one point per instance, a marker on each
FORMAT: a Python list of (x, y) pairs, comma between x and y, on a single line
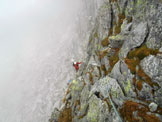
[(135, 39), (121, 79)]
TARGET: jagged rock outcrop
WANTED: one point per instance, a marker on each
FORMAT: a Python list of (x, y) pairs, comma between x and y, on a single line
[(121, 80)]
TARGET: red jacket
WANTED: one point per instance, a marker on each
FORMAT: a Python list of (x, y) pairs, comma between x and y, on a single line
[(77, 65)]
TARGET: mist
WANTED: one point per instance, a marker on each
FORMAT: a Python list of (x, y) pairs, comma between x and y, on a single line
[(38, 40), (32, 46)]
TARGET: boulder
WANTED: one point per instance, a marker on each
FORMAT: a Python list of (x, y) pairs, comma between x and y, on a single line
[(153, 107), (107, 86), (122, 74), (98, 110), (152, 66), (135, 39)]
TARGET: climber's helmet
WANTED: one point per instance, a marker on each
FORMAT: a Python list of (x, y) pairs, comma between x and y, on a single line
[(74, 63)]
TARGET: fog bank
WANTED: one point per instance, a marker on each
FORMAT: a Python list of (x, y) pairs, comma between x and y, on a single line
[(38, 39)]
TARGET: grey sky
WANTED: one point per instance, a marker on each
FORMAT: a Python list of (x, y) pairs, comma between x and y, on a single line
[(30, 32)]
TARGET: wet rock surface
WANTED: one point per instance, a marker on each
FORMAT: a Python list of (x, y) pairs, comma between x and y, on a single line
[(121, 80)]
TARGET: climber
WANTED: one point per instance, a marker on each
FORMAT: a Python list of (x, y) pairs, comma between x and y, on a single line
[(77, 65)]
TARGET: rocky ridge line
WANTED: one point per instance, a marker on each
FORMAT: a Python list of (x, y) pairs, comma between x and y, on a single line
[(124, 65)]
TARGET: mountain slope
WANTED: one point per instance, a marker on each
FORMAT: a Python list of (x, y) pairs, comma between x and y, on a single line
[(121, 79)]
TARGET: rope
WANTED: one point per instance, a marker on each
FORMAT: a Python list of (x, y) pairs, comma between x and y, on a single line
[(114, 107)]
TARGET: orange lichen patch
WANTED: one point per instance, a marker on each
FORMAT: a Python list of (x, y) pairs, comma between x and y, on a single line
[(139, 84), (117, 29), (127, 110), (114, 59), (103, 68), (147, 79), (121, 17), (105, 42), (67, 92), (130, 107), (108, 103), (142, 52), (91, 78), (133, 60), (143, 75), (65, 115), (132, 63), (151, 118)]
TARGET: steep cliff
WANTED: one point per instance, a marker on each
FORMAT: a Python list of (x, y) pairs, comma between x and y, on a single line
[(121, 79)]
